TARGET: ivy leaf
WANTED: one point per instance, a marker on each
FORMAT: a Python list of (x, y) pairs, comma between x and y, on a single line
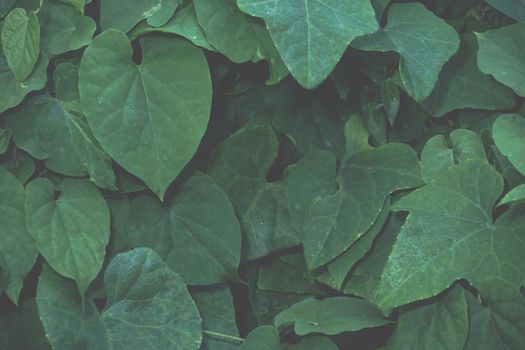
[(508, 132), (450, 234), (424, 42), (443, 322), (330, 316), (312, 35), (149, 118), (365, 179), (72, 231), (64, 28), (196, 233), (17, 251), (501, 54), (462, 85), (51, 130), (148, 306), (21, 42)]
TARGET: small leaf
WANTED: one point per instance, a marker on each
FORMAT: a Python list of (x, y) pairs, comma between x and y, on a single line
[(508, 132)]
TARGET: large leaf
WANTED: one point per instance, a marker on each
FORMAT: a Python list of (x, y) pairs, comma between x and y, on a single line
[(21, 42), (450, 234), (365, 179), (150, 117), (262, 338), (196, 233), (124, 15), (17, 247), (64, 28), (148, 307), (442, 324), (508, 132), (331, 316), (52, 130), (71, 231), (501, 54), (462, 85), (424, 42), (312, 35)]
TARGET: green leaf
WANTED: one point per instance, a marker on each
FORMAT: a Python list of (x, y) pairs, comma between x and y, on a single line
[(17, 248), (21, 42), (442, 324), (72, 231), (424, 42), (450, 234), (5, 140), (365, 179), (499, 323), (25, 328), (512, 8), (119, 208), (51, 130), (20, 165), (17, 91), (508, 132), (312, 35), (439, 154), (148, 307), (218, 318), (462, 85), (517, 194), (262, 338), (312, 343), (330, 316), (269, 213), (196, 233), (149, 118), (124, 15), (64, 28), (501, 54)]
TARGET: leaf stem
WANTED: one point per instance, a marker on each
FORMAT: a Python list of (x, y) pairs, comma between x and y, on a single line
[(223, 336)]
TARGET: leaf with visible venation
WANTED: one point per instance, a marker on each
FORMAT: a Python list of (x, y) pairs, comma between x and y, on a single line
[(424, 42), (312, 35), (149, 118), (148, 307), (64, 28), (330, 316), (508, 132), (501, 54), (462, 85), (70, 231), (17, 248), (196, 233), (440, 324), (21, 42), (450, 234), (52, 130)]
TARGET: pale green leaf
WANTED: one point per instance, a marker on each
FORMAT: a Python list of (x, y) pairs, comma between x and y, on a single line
[(438, 325), (196, 232), (330, 316), (149, 118), (21, 42), (512, 8), (64, 28), (17, 248), (517, 194), (450, 234), (509, 134), (424, 42), (501, 54), (71, 231), (312, 35), (262, 338)]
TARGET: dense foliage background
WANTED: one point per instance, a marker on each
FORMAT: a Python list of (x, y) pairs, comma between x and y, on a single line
[(262, 174)]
